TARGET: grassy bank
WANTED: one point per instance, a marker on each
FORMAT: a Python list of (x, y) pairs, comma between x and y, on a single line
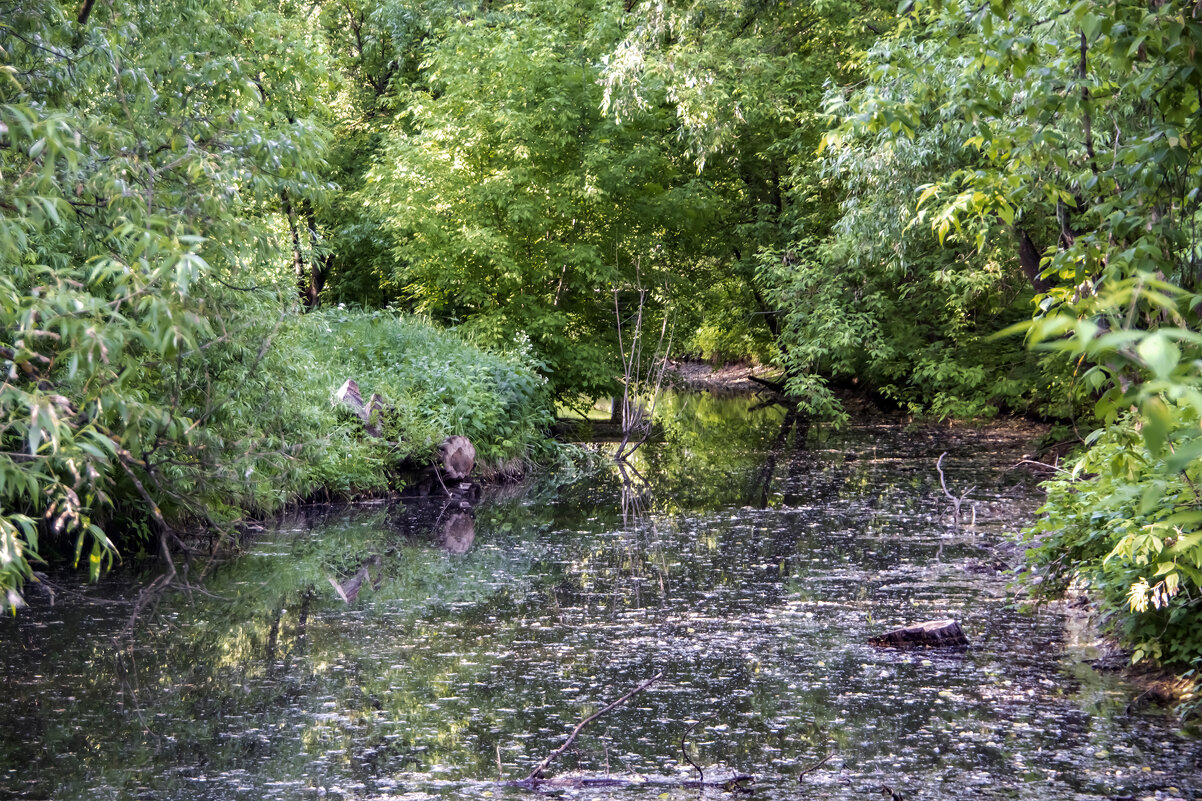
[(433, 383), (244, 424)]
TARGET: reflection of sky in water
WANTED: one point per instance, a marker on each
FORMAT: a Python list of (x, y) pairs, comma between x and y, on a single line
[(752, 582)]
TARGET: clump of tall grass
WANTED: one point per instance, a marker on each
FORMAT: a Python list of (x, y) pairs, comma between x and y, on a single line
[(434, 384)]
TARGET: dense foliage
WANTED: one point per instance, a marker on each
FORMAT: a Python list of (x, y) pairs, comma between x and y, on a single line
[(871, 197), (154, 374), (139, 159), (1075, 135)]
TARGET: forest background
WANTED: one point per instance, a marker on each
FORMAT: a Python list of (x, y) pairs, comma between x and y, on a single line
[(213, 211)]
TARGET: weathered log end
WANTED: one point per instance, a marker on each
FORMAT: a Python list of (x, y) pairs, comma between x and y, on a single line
[(457, 457), (373, 414), (932, 634)]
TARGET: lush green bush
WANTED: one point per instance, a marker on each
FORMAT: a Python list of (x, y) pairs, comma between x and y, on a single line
[(1125, 524), (433, 383), (881, 302), (725, 327), (143, 148)]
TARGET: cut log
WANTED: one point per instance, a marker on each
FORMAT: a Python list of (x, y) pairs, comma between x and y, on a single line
[(932, 634), (457, 457)]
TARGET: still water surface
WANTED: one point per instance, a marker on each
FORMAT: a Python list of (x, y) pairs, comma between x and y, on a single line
[(410, 651)]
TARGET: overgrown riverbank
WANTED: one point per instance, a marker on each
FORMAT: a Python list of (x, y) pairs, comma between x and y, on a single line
[(250, 431)]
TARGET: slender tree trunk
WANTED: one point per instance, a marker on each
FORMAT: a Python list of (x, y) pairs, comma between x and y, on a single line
[(317, 272), (298, 258), (1029, 257), (85, 11)]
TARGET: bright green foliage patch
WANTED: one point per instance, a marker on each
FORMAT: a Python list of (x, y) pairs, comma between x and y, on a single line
[(1127, 522), (514, 207), (1073, 142), (433, 385)]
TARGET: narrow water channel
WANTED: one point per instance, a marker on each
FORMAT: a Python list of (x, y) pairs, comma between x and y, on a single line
[(410, 651)]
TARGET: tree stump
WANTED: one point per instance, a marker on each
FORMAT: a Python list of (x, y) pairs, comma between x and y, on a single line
[(348, 395), (932, 634)]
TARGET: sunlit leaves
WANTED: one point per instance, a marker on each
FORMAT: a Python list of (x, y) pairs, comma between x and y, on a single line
[(1080, 123), (514, 207)]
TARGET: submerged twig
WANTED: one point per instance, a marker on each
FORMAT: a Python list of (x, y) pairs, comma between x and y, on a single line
[(538, 771), (685, 751), (815, 766)]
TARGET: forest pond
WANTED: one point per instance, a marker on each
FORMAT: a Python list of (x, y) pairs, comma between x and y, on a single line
[(405, 650)]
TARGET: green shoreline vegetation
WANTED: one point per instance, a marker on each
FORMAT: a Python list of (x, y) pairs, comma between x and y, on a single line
[(214, 213)]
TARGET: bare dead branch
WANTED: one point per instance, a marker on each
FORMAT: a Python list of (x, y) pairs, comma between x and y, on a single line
[(538, 771), (956, 501), (685, 751), (815, 766)]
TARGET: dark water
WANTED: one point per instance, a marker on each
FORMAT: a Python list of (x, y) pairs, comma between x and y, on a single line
[(748, 572)]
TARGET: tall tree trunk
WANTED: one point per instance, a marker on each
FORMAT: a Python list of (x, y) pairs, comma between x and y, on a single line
[(317, 272), (298, 258)]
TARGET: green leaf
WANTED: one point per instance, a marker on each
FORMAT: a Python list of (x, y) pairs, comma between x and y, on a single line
[(1157, 422), (1159, 354)]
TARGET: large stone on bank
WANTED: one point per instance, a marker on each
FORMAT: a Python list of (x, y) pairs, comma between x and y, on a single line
[(932, 634), (456, 457)]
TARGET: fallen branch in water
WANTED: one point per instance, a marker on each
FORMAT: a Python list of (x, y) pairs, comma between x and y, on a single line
[(814, 767), (685, 751), (732, 784), (1042, 465), (956, 502), (537, 773)]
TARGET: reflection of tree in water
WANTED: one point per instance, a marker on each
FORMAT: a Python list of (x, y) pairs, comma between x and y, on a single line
[(216, 684), (711, 444), (761, 482), (636, 493), (449, 523)]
